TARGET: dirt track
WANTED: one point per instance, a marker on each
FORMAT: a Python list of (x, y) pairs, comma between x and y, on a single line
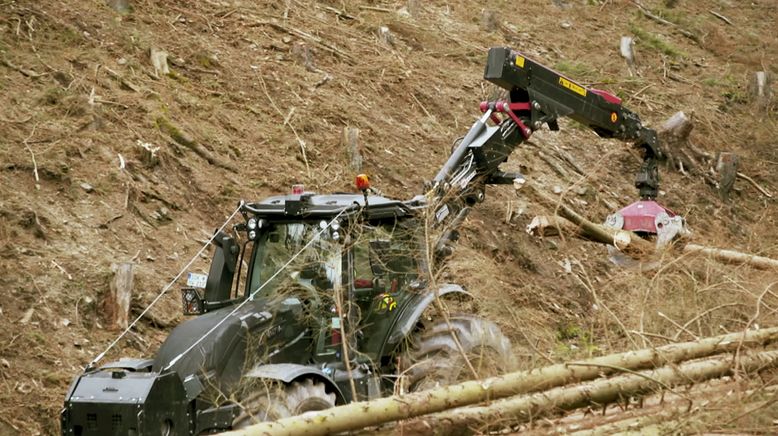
[(257, 85)]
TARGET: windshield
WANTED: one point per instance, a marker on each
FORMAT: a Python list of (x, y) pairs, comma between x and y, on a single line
[(319, 264)]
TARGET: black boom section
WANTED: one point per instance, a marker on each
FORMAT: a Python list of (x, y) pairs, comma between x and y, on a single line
[(548, 95), (559, 96)]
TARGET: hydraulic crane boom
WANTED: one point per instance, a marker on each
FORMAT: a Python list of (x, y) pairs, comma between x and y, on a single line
[(539, 95)]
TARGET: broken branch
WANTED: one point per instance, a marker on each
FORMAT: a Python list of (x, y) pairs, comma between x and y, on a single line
[(759, 188), (26, 72)]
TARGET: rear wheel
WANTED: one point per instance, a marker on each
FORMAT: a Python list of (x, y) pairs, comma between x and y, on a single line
[(276, 401), (434, 359)]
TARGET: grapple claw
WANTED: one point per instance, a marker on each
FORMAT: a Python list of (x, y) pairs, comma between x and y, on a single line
[(650, 220)]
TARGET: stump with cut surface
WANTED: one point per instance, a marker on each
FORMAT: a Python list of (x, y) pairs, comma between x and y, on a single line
[(116, 304)]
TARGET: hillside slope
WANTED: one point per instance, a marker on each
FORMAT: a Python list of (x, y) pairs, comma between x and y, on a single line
[(262, 90)]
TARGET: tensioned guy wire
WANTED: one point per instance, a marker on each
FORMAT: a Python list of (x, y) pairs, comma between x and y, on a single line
[(165, 289), (251, 296)]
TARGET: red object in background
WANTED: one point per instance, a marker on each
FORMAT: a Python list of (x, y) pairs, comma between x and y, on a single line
[(641, 216), (363, 182), (298, 189)]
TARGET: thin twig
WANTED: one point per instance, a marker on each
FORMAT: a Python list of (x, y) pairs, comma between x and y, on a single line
[(304, 35), (721, 306), (648, 14), (438, 304), (344, 339), (756, 185), (748, 325), (377, 9), (662, 315), (421, 105), (588, 286), (286, 122), (721, 17), (24, 71), (34, 163)]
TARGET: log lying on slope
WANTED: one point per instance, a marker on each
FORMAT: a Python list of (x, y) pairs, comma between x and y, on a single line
[(545, 226), (625, 241), (733, 257), (598, 393), (365, 414)]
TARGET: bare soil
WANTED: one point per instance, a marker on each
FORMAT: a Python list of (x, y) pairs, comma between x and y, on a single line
[(264, 90)]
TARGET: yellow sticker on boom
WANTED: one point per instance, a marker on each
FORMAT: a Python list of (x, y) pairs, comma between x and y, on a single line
[(519, 61), (576, 88)]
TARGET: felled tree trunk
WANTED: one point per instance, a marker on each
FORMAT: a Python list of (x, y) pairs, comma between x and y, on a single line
[(731, 256), (359, 415), (625, 241), (545, 226), (594, 394)]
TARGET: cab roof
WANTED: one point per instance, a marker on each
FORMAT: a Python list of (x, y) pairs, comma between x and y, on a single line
[(310, 204)]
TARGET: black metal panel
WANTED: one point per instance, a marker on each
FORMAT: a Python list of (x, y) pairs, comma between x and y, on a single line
[(127, 403)]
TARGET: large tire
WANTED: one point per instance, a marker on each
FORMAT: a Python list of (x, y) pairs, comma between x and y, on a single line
[(282, 401), (433, 358)]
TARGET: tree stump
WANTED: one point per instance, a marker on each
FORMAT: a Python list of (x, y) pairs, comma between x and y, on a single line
[(350, 140), (303, 54), (159, 61), (676, 129), (627, 49), (385, 36), (414, 8), (490, 20), (760, 88), (116, 304), (674, 138), (726, 167), (120, 6)]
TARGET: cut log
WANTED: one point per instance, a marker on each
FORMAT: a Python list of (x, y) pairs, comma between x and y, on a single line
[(544, 226), (365, 414), (625, 241), (593, 394), (116, 303), (733, 257), (350, 140)]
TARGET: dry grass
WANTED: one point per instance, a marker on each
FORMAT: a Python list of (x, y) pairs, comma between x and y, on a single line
[(409, 101)]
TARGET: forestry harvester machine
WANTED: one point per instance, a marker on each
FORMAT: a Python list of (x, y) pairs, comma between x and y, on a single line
[(317, 300)]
